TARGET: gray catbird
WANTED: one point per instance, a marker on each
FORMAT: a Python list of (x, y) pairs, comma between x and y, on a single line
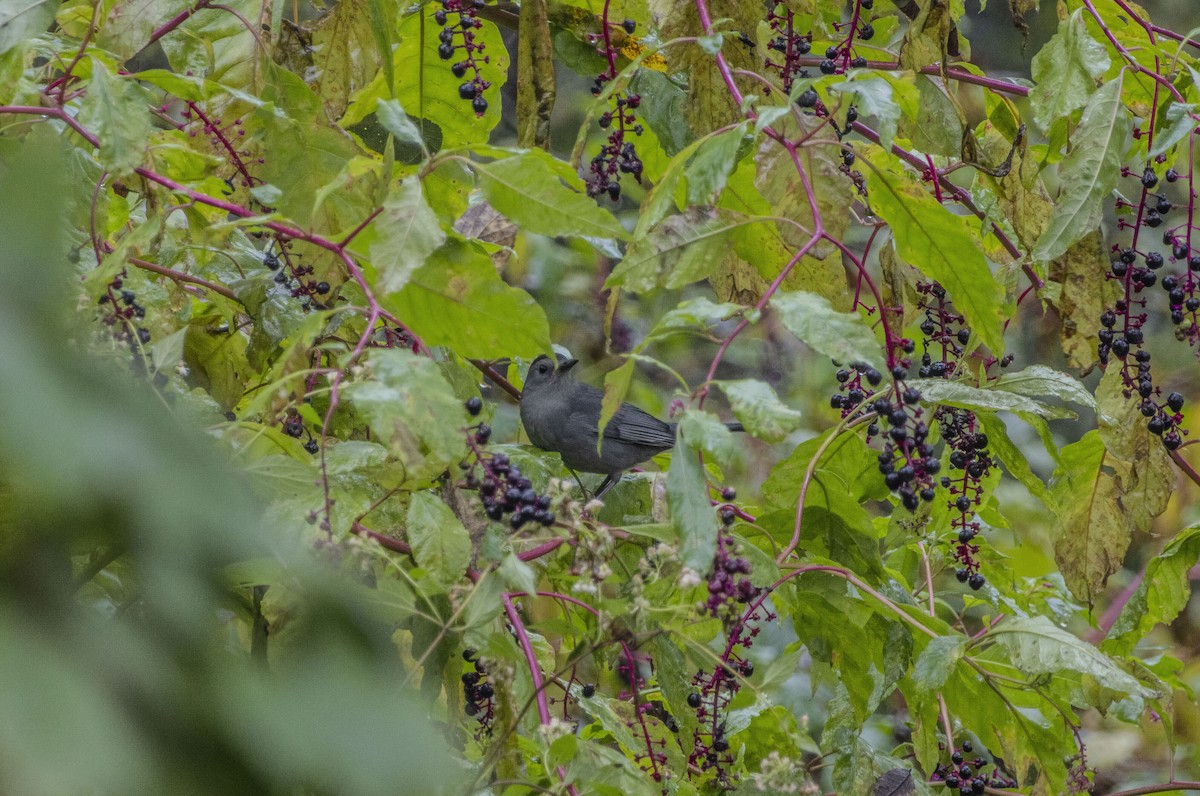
[(562, 415)]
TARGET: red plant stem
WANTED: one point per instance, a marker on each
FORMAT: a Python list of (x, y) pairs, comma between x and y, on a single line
[(535, 671), (176, 21), (395, 545), (179, 276)]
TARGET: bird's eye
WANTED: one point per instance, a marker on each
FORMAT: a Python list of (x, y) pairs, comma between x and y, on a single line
[(542, 368)]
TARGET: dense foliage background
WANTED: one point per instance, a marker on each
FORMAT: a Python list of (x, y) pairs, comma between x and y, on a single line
[(271, 276)]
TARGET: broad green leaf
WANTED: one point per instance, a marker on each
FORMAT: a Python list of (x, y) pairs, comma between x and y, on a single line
[(1039, 647), (428, 90), (1002, 447), (709, 168), (1066, 71), (456, 299), (616, 386), (526, 190), (759, 409), (843, 336), (1183, 122), (707, 433), (407, 233), (944, 247), (1042, 381), (961, 394), (681, 249), (412, 410), (936, 662), (874, 97), (1089, 173), (1083, 297), (1101, 500), (439, 541), (21, 20), (396, 121), (696, 315), (116, 110), (691, 513), (1164, 591)]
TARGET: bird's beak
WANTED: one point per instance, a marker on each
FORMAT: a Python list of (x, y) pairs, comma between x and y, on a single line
[(567, 364)]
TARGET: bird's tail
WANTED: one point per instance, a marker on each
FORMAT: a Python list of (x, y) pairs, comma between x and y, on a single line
[(735, 427)]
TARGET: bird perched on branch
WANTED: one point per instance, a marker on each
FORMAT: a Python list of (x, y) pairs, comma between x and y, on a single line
[(562, 415)]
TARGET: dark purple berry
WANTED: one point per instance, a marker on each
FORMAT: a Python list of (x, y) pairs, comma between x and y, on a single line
[(693, 700), (589, 690), (1149, 178), (629, 25), (468, 90), (1172, 175), (479, 105), (446, 51)]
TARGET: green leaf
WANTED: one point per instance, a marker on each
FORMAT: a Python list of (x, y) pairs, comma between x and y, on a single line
[(936, 662), (396, 121), (1066, 71), (21, 20), (706, 432), (526, 189), (1163, 593), (843, 336), (681, 249), (115, 109), (456, 299), (709, 168), (439, 541), (616, 387), (1042, 381), (1002, 447), (696, 315), (944, 247), (407, 233), (874, 96), (691, 513), (1095, 518), (1089, 173), (759, 409), (961, 394), (1039, 647), (412, 410)]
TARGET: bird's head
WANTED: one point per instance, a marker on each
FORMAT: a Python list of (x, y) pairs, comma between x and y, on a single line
[(546, 371)]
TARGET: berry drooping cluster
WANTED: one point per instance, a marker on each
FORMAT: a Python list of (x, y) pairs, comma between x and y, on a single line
[(968, 777), (968, 454), (790, 45), (840, 57), (459, 23), (616, 156), (729, 583), (1135, 268), (505, 491), (295, 277), (479, 696), (293, 426), (122, 313), (728, 587)]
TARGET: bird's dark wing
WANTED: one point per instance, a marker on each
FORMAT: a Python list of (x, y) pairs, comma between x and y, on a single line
[(634, 426)]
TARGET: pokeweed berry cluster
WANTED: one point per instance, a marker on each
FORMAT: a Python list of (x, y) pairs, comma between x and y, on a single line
[(1136, 267), (969, 777), (840, 57), (712, 691), (617, 156), (459, 23), (293, 426), (123, 313), (790, 45), (968, 454), (906, 459), (479, 695), (728, 583), (504, 490), (296, 277)]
